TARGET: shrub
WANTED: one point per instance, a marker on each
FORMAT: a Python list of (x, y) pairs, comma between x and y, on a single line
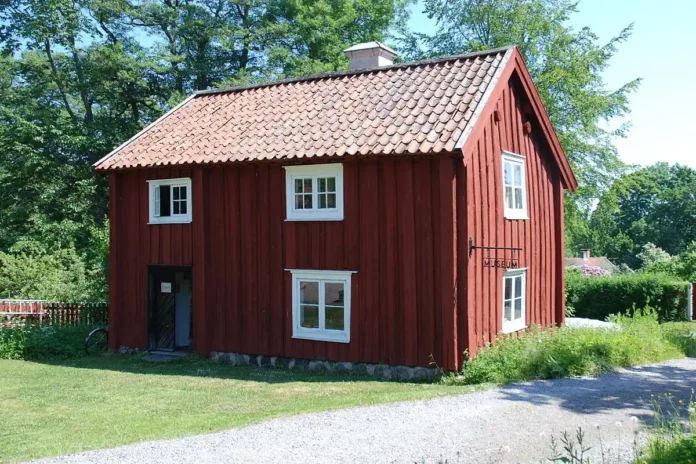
[(33, 342), (562, 352), (599, 297), (590, 271)]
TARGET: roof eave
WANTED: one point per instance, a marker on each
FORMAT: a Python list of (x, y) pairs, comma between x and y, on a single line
[(115, 151)]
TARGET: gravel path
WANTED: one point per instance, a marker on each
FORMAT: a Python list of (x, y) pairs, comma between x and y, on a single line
[(512, 424)]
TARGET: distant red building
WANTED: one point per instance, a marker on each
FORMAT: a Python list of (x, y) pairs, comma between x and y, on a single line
[(379, 215)]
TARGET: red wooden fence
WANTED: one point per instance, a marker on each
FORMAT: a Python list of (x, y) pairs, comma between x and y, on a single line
[(50, 313)]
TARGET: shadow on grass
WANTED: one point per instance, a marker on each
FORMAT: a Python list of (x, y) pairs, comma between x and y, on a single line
[(628, 389), (200, 367)]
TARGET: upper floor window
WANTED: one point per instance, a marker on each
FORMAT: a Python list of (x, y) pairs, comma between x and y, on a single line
[(170, 200), (514, 300), (321, 305), (515, 186), (314, 192)]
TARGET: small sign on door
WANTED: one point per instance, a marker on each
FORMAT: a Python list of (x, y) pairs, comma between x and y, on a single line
[(166, 287)]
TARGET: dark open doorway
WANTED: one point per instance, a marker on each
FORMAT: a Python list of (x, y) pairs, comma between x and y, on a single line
[(170, 302)]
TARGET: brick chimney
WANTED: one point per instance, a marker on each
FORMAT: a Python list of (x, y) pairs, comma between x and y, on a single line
[(370, 55)]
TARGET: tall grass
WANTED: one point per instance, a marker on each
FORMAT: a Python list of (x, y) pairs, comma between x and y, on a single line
[(673, 438), (27, 341), (563, 352)]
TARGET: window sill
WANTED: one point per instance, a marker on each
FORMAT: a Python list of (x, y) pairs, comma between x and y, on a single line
[(159, 223), (314, 219), (513, 328), (342, 338), (517, 218)]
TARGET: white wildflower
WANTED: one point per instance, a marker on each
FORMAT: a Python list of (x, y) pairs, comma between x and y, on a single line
[(634, 419), (618, 424), (507, 449), (596, 426)]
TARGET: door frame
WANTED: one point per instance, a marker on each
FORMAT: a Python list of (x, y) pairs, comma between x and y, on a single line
[(151, 269)]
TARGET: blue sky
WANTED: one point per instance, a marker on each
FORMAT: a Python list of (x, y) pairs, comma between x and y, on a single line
[(661, 51)]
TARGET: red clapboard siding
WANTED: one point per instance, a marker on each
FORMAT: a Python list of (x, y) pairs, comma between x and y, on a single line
[(399, 234), (541, 237)]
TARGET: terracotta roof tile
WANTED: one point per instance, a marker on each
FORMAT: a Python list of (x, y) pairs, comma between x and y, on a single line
[(420, 107)]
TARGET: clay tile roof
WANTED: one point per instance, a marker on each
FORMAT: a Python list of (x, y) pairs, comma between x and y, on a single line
[(420, 107)]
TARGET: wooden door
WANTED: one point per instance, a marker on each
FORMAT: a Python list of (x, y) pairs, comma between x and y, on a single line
[(162, 305)]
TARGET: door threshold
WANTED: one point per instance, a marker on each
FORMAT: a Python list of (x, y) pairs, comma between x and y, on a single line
[(177, 354)]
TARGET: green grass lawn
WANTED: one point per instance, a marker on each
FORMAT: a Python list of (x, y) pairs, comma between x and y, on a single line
[(49, 409)]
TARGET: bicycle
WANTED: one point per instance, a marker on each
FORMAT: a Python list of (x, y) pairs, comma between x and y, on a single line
[(97, 341)]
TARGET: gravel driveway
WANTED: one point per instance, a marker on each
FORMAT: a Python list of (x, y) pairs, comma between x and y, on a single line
[(511, 424)]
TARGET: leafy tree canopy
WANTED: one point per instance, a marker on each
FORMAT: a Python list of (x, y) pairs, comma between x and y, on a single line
[(653, 206)]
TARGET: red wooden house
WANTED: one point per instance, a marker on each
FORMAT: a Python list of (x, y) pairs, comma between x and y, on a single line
[(385, 214)]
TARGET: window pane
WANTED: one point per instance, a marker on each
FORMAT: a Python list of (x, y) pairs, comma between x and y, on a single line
[(309, 293), (176, 193), (308, 201), (322, 200), (298, 201), (507, 170), (507, 312), (334, 318), (518, 175), (183, 191), (508, 196), (183, 207), (157, 200), (333, 293), (331, 201), (332, 184), (176, 207), (518, 308), (322, 185), (165, 204), (298, 185), (307, 185), (518, 287), (507, 292), (309, 316), (518, 198)]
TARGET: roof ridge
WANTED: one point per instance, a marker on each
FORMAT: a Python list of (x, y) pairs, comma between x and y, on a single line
[(331, 74)]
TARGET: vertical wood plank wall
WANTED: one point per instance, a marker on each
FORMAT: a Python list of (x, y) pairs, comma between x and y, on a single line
[(399, 234), (541, 236)]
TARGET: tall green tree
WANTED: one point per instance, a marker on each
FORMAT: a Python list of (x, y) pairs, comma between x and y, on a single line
[(654, 206)]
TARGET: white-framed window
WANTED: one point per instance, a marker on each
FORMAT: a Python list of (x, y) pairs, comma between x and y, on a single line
[(321, 305), (514, 300), (314, 192), (514, 186), (170, 200)]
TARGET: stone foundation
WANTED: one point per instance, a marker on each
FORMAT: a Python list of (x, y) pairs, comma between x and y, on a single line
[(126, 350), (380, 371)]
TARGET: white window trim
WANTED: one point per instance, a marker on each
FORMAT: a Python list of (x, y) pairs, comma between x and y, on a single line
[(327, 276), (314, 171), (513, 213), (519, 324), (172, 219)]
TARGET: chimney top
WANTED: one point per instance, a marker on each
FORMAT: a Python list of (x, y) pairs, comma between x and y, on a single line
[(585, 253), (370, 55)]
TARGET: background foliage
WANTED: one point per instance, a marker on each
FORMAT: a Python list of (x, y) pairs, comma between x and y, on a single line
[(78, 77)]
